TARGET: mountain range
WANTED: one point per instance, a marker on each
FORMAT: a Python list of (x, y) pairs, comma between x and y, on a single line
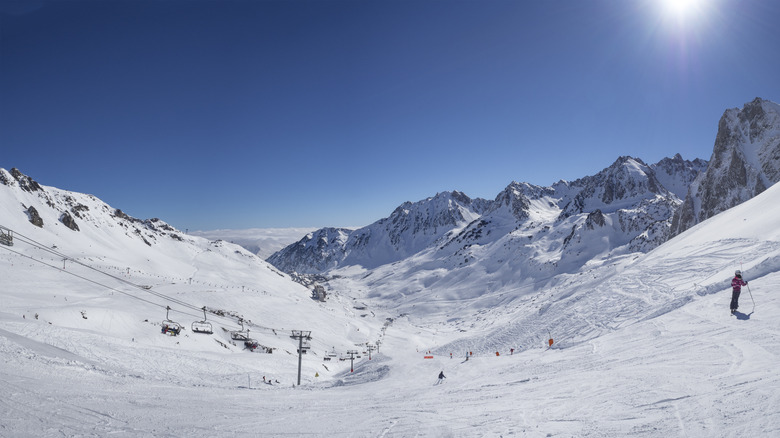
[(630, 206)]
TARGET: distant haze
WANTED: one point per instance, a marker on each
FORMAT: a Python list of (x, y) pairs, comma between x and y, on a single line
[(261, 241)]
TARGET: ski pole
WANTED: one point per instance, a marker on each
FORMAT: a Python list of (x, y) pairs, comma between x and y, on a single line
[(751, 293), (751, 297)]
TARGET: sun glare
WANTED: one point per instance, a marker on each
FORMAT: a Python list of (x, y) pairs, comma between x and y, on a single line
[(683, 9)]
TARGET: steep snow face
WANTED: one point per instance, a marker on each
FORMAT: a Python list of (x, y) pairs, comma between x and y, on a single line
[(745, 161)]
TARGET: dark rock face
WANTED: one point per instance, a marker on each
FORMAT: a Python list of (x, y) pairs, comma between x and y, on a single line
[(627, 181), (35, 218), (25, 182), (78, 209), (69, 222), (745, 161), (676, 174), (120, 214), (595, 220)]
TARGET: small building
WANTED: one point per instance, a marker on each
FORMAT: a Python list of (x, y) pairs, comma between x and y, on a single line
[(319, 293)]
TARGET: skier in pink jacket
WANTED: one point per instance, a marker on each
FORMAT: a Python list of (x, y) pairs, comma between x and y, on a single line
[(736, 283)]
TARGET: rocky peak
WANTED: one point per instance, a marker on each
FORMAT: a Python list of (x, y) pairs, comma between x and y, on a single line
[(676, 174), (745, 161), (25, 182), (516, 199), (626, 182)]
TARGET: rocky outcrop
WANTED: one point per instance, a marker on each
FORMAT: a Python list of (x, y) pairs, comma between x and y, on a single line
[(68, 221), (25, 182), (745, 161), (35, 218)]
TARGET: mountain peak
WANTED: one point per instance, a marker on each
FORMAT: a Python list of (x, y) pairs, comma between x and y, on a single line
[(17, 177), (745, 161)]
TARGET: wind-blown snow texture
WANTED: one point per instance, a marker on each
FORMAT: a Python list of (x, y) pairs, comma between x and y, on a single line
[(644, 344)]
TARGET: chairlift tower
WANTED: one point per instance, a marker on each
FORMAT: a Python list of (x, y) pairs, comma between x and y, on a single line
[(300, 335), (352, 354)]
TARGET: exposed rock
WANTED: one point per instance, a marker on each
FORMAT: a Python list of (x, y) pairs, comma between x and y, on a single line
[(78, 209), (122, 215), (68, 221), (25, 182), (594, 220), (745, 161), (35, 218)]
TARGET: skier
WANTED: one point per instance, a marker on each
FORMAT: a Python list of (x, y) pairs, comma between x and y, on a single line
[(736, 283), (441, 376)]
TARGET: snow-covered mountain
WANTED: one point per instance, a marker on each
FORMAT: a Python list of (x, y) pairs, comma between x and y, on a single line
[(147, 266), (625, 207), (411, 228), (745, 161)]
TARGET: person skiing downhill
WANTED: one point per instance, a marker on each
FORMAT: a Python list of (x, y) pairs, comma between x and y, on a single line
[(736, 283), (441, 376)]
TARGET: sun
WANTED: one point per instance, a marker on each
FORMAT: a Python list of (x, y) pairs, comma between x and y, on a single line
[(683, 9)]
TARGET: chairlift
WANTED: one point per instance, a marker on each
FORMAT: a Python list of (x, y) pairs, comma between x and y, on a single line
[(169, 327), (6, 236), (305, 346), (202, 326), (331, 354), (240, 335)]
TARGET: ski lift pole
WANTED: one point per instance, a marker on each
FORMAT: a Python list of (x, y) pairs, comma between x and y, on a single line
[(300, 335)]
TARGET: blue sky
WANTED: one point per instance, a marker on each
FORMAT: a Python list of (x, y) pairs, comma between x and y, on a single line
[(244, 114)]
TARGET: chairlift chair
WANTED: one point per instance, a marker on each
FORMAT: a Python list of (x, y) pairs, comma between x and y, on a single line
[(6, 237), (169, 327), (202, 326), (305, 347), (240, 335), (331, 354), (251, 344)]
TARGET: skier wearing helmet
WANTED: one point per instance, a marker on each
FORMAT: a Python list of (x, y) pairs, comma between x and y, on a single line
[(736, 283)]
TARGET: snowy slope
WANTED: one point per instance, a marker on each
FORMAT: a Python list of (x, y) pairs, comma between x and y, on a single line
[(644, 345), (111, 281)]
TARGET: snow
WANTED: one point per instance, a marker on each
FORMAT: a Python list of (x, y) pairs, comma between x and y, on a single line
[(644, 344)]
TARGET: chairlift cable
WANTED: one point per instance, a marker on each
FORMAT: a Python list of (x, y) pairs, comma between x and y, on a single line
[(122, 280), (33, 243)]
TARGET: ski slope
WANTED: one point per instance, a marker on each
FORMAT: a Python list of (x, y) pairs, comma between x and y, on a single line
[(644, 346)]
